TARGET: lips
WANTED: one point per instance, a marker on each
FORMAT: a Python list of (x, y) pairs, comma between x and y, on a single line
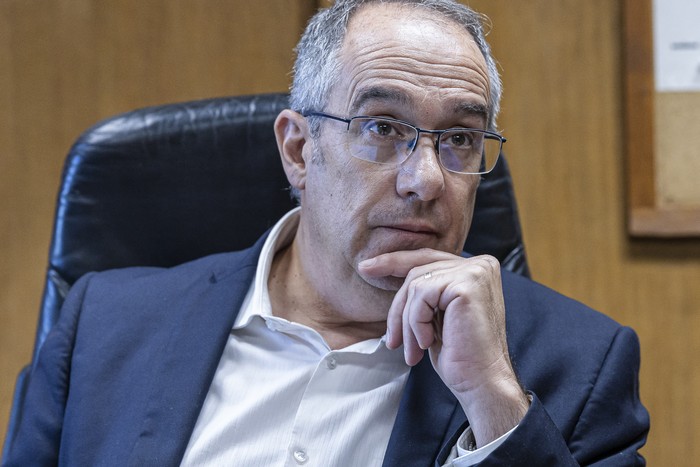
[(401, 230), (413, 228), (409, 235)]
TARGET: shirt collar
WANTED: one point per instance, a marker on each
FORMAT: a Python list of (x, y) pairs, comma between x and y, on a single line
[(257, 300)]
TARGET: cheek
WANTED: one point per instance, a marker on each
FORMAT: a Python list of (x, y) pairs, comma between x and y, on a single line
[(351, 187), (335, 194), (462, 212)]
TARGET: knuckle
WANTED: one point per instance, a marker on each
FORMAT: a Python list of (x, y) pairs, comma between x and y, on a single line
[(461, 289), (487, 264), (488, 260), (413, 286)]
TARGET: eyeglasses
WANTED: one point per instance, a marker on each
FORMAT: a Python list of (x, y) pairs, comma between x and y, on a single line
[(386, 140)]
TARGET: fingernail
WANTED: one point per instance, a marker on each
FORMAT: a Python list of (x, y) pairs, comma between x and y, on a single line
[(367, 263)]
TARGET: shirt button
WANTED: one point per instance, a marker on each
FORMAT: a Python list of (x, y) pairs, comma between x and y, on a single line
[(331, 363), (300, 456)]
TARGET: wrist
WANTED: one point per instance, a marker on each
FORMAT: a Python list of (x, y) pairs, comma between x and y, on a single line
[(494, 409)]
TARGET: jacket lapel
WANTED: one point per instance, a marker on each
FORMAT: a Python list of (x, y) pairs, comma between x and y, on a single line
[(200, 329), (429, 416)]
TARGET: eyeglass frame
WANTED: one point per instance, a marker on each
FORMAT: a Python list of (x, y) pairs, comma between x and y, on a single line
[(418, 130)]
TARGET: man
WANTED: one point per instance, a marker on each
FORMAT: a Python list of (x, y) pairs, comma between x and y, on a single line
[(353, 333)]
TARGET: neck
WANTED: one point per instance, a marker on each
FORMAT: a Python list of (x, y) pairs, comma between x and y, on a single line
[(298, 296)]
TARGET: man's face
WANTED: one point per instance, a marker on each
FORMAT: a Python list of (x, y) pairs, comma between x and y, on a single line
[(411, 65)]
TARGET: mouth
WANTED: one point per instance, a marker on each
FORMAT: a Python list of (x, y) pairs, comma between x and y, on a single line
[(415, 227), (409, 233), (418, 228)]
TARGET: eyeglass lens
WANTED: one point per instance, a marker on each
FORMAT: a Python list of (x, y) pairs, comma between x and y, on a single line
[(392, 142)]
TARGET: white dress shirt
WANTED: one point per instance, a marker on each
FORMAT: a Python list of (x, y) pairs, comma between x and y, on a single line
[(282, 397)]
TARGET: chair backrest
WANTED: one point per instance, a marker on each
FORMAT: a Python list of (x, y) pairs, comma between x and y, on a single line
[(163, 185)]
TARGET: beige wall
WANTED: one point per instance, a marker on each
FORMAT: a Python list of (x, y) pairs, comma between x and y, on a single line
[(561, 62), (66, 63)]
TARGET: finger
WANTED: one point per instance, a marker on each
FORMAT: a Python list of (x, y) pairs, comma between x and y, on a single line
[(394, 320), (419, 311), (419, 320), (400, 263), (398, 309), (411, 350), (470, 278)]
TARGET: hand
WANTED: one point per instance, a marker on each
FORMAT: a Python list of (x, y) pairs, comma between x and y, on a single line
[(454, 307)]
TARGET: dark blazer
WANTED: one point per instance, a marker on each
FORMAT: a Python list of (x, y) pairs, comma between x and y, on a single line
[(123, 375)]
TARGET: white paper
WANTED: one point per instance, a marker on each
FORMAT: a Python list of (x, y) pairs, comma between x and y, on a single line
[(677, 45)]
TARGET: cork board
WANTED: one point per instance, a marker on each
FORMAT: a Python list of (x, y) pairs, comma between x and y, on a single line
[(662, 140), (677, 163)]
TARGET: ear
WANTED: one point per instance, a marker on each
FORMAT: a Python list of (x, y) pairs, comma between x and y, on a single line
[(292, 134)]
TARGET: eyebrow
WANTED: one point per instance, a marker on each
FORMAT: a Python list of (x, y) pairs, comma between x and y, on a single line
[(378, 93), (470, 108)]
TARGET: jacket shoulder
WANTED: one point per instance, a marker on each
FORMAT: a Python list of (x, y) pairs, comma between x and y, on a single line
[(562, 349)]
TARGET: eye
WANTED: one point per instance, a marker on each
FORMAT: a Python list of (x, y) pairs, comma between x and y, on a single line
[(382, 128), (460, 139)]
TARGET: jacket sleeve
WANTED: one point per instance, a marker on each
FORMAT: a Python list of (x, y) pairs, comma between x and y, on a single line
[(37, 439), (610, 430)]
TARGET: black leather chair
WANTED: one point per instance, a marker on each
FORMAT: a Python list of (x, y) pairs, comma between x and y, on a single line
[(163, 185)]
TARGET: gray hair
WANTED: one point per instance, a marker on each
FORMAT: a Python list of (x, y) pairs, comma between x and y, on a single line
[(317, 66)]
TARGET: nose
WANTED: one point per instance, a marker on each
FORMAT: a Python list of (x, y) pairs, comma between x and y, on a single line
[(421, 174)]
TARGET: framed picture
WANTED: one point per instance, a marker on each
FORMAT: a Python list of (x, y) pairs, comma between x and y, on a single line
[(661, 50)]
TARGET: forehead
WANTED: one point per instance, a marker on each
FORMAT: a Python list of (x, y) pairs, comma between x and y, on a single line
[(411, 58)]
